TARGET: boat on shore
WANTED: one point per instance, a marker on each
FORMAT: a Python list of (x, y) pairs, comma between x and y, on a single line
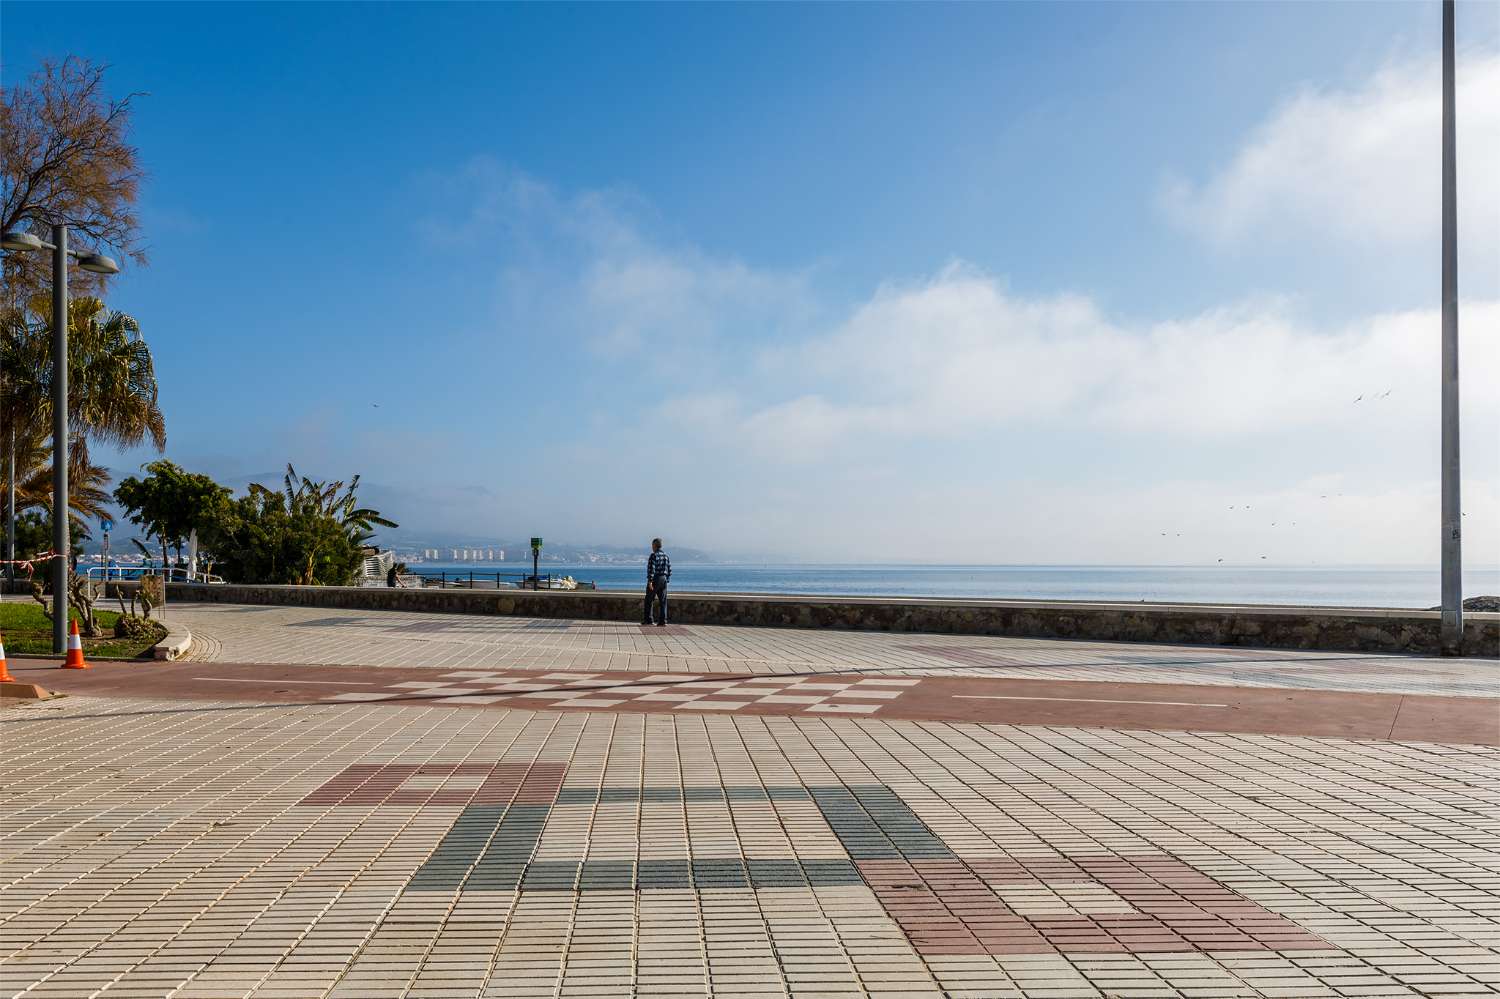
[(549, 583)]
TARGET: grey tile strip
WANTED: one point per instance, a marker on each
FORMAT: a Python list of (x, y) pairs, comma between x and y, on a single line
[(870, 821), (449, 864), (873, 823), (703, 874), (505, 858), (900, 824)]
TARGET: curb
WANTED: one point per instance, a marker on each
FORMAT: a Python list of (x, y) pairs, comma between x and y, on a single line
[(23, 691), (175, 643)]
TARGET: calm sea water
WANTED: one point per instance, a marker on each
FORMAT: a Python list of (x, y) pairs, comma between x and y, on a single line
[(1362, 586)]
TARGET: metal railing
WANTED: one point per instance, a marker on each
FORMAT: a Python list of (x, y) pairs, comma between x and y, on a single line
[(478, 579), (130, 573)]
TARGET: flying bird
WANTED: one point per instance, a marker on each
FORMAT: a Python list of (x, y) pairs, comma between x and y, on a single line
[(1360, 397)]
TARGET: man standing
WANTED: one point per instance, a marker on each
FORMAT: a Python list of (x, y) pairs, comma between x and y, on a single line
[(658, 574)]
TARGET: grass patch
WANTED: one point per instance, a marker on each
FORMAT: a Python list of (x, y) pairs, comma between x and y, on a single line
[(28, 632)]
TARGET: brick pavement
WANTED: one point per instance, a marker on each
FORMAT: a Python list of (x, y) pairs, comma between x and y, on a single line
[(196, 848), (450, 642)]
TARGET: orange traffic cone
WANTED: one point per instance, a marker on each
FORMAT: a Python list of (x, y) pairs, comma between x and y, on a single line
[(5, 676), (75, 649)]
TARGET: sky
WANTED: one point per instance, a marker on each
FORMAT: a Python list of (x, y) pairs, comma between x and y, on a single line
[(1009, 283)]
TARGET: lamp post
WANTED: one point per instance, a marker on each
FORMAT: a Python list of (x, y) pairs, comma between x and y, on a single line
[(23, 242), (1451, 631), (10, 510)]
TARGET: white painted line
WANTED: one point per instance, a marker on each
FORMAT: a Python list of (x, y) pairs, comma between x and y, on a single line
[(1091, 700), (320, 683)]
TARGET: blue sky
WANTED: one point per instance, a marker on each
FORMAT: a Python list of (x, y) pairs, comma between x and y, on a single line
[(1019, 283)]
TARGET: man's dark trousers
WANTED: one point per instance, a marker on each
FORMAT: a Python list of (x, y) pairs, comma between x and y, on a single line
[(657, 592)]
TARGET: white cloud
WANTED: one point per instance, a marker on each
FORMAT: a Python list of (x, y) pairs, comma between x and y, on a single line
[(781, 421), (585, 265), (1360, 164), (956, 355)]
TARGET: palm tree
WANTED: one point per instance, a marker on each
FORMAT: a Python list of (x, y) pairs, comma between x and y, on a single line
[(336, 501), (112, 397), (112, 391), (88, 499), (326, 499)]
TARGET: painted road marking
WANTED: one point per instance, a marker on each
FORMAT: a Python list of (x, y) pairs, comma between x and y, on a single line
[(1090, 700), (274, 683)]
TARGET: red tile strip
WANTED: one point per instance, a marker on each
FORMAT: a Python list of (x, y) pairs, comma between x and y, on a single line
[(948, 907)]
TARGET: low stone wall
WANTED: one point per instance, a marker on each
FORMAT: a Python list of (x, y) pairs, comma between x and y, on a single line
[(1322, 628)]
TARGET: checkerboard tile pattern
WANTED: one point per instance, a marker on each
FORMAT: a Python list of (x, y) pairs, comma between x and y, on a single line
[(663, 692)]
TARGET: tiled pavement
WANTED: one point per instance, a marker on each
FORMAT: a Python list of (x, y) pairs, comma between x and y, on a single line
[(248, 634), (212, 849)]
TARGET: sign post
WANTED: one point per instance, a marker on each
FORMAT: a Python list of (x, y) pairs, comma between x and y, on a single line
[(105, 526), (536, 557)]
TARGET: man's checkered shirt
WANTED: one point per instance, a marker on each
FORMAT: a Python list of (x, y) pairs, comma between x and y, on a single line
[(658, 566)]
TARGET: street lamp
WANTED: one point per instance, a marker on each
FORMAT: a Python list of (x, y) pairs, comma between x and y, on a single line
[(1451, 627), (20, 242)]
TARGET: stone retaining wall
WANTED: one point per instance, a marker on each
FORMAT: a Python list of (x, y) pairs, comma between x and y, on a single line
[(1323, 628)]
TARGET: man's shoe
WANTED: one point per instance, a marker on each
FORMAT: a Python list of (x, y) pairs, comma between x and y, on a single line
[(661, 624)]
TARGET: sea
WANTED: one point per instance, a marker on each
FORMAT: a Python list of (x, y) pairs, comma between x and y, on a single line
[(1348, 586)]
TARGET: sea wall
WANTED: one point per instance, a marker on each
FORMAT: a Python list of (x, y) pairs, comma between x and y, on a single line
[(1321, 628)]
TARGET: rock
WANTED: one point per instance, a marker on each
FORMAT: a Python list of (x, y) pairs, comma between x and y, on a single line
[(1485, 604)]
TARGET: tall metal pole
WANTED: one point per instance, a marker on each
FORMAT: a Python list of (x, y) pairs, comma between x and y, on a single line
[(60, 562), (10, 510), (1452, 630)]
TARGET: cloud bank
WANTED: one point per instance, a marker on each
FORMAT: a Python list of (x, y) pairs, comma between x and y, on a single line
[(950, 417), (1359, 166)]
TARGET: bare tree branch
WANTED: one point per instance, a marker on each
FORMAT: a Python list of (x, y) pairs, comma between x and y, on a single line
[(65, 158)]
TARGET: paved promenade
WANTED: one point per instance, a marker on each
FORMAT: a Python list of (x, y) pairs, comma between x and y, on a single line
[(362, 804)]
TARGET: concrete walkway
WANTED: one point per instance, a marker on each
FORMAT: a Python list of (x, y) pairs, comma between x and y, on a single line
[(247, 634), (472, 827)]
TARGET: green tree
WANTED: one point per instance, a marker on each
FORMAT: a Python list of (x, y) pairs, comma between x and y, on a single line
[(112, 397), (112, 390), (87, 495), (171, 503), (333, 499), (308, 533)]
